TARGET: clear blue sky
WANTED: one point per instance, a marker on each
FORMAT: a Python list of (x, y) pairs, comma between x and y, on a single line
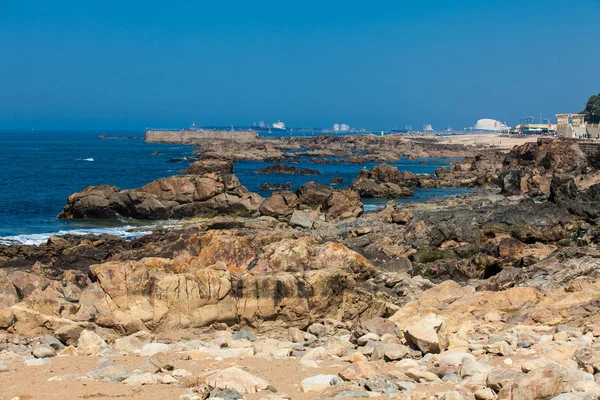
[(132, 64)]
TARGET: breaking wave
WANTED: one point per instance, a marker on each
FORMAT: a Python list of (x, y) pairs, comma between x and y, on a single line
[(127, 232)]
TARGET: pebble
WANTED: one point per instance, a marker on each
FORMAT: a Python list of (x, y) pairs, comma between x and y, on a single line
[(43, 351)]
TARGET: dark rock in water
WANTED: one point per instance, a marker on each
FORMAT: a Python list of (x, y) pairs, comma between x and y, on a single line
[(119, 137), (285, 169), (384, 181), (174, 197), (156, 153), (313, 194), (276, 186), (219, 167), (357, 159), (385, 173), (178, 159), (336, 181), (371, 189)]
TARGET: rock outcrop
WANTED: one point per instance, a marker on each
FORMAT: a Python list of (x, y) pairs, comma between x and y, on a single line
[(529, 169), (310, 202), (218, 278), (384, 181), (174, 197)]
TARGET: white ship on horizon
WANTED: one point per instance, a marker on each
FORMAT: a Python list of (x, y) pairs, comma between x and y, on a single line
[(276, 126)]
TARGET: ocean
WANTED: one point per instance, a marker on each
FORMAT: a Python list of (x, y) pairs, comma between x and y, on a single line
[(40, 169)]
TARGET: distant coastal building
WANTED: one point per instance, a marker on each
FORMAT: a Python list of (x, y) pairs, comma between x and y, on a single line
[(571, 126), (341, 127), (490, 125), (534, 129)]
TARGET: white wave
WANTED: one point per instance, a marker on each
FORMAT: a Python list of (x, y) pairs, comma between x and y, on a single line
[(126, 232), (85, 159), (372, 207)]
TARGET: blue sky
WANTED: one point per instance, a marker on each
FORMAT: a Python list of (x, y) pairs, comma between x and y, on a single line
[(135, 64)]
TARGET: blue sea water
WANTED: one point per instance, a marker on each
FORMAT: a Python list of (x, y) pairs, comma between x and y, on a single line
[(40, 169)]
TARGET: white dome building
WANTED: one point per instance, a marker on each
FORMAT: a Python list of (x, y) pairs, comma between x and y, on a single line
[(489, 125)]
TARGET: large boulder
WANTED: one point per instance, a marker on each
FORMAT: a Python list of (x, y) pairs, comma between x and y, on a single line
[(313, 195), (343, 205), (175, 197), (428, 334), (280, 205)]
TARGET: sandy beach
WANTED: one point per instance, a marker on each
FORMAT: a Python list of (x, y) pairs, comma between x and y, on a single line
[(486, 140)]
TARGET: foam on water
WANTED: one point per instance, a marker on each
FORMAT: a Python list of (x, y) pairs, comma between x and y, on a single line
[(127, 232)]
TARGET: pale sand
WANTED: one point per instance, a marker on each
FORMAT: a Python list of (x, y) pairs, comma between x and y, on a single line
[(486, 140)]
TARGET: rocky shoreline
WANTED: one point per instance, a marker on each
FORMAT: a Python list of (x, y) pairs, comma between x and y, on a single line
[(301, 295)]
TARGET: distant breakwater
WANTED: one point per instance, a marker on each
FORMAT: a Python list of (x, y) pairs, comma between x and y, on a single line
[(188, 137)]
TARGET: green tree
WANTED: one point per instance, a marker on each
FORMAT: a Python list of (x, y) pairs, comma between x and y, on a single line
[(592, 110)]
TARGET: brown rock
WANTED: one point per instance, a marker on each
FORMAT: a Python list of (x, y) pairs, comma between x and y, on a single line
[(428, 334), (313, 195), (7, 318), (279, 205), (356, 371), (343, 205)]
